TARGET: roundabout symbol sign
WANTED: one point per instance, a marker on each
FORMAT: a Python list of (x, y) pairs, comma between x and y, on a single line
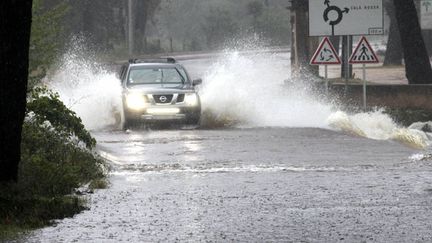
[(333, 8), (346, 17)]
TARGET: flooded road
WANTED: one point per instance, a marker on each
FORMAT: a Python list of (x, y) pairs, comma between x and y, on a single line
[(255, 183), (261, 184)]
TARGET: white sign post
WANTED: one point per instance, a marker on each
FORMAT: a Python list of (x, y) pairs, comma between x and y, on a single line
[(346, 17), (363, 54), (325, 55)]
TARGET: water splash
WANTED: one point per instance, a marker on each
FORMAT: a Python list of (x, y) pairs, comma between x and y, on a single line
[(245, 90), (379, 126), (420, 157), (87, 88), (249, 90)]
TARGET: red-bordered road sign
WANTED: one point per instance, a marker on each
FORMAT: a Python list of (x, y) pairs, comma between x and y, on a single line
[(325, 54), (363, 53)]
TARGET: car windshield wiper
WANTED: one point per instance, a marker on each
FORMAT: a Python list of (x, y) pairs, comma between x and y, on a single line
[(183, 79)]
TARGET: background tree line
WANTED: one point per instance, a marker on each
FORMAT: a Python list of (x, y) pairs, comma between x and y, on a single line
[(191, 24)]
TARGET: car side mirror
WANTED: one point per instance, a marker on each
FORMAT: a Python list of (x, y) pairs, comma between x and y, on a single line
[(196, 82)]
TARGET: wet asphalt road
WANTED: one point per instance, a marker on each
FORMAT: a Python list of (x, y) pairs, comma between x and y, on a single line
[(257, 184), (253, 185)]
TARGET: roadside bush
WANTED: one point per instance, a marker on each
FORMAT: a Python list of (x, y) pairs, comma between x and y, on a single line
[(56, 158)]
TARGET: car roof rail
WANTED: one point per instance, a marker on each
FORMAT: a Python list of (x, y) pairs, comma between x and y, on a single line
[(153, 60)]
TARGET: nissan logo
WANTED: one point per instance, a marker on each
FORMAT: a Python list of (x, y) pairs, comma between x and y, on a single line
[(163, 99)]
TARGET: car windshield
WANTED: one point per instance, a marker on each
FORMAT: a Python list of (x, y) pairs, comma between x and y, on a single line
[(155, 75)]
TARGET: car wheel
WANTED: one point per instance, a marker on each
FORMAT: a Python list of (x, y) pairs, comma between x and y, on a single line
[(128, 124), (193, 120)]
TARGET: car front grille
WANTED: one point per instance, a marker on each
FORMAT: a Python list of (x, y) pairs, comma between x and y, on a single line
[(163, 99), (180, 98)]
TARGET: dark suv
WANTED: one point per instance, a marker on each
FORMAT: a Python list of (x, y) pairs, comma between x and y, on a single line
[(158, 90)]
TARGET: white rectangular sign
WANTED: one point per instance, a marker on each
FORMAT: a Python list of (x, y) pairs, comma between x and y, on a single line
[(346, 17), (426, 14)]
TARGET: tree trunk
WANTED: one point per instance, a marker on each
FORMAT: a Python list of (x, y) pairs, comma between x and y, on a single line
[(141, 14), (393, 55), (131, 27), (14, 53), (302, 46), (346, 68), (417, 66)]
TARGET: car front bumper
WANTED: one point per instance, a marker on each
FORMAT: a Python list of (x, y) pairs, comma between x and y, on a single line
[(153, 117), (163, 113)]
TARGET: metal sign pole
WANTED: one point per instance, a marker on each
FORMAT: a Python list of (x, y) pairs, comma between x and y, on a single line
[(363, 54), (364, 86), (345, 60), (325, 55), (326, 79)]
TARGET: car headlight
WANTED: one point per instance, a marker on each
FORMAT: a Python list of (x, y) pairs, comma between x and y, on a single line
[(191, 99), (136, 101)]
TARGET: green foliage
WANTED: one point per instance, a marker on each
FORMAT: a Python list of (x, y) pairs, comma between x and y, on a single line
[(51, 165), (9, 232), (55, 148), (255, 8), (274, 25), (56, 158), (195, 45), (98, 184), (219, 27), (19, 214), (46, 39), (192, 21), (45, 105)]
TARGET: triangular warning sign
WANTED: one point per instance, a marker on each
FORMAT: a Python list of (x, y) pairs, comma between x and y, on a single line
[(363, 53), (325, 54)]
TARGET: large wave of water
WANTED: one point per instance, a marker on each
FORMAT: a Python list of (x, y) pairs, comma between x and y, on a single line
[(87, 88), (238, 90), (249, 90), (379, 126)]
